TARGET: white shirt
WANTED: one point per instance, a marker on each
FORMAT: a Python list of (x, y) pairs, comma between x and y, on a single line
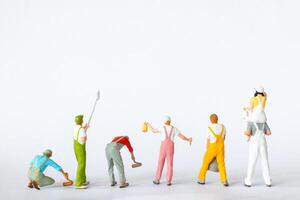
[(82, 133), (174, 133), (217, 129)]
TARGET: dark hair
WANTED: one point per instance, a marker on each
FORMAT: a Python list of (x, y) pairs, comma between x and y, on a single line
[(259, 93)]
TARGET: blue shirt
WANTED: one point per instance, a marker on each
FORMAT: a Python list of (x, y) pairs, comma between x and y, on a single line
[(40, 159)]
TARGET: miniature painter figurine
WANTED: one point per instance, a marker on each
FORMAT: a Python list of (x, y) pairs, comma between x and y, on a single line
[(114, 158), (258, 147), (168, 134), (215, 150), (38, 165), (80, 138)]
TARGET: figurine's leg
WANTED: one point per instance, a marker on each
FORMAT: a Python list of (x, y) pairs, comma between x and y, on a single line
[(265, 163), (111, 171), (81, 159), (120, 166), (208, 157), (221, 166), (253, 153), (110, 164), (161, 162), (45, 181), (170, 156)]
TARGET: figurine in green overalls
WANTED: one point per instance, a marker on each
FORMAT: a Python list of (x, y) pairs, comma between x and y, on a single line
[(80, 137)]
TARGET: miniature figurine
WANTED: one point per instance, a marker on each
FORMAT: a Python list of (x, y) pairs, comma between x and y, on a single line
[(168, 133), (255, 111), (80, 138), (38, 165), (114, 158), (214, 150)]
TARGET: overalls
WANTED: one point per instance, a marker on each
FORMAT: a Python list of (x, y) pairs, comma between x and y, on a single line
[(214, 150), (166, 151), (113, 157), (80, 154), (258, 146)]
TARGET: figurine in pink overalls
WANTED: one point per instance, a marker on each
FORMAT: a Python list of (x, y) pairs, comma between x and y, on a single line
[(168, 133)]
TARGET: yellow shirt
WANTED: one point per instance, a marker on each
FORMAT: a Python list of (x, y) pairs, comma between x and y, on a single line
[(254, 100)]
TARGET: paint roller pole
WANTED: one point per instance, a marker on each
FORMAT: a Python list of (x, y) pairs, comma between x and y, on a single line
[(92, 113)]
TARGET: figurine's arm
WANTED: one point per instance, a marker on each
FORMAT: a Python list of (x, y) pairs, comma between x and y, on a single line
[(248, 132), (154, 130), (83, 136), (133, 157), (267, 130), (224, 133), (65, 174), (185, 138)]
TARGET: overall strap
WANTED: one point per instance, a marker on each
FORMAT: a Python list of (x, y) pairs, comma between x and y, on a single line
[(78, 133), (171, 131), (214, 133), (166, 133), (263, 127), (257, 129)]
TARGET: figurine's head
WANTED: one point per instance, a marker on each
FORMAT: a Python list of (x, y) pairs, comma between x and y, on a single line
[(213, 118), (167, 120), (79, 119), (47, 153), (259, 91)]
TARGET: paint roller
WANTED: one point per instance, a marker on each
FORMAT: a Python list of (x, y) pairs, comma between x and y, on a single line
[(69, 182), (136, 164)]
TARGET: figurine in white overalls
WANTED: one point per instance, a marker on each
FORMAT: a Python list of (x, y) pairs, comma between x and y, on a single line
[(257, 128)]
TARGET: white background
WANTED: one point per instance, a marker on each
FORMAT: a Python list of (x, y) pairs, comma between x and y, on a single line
[(185, 59)]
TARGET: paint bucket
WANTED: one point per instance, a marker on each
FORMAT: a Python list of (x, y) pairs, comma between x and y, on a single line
[(145, 127)]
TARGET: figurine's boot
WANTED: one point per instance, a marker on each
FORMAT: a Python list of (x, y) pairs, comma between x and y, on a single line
[(30, 185), (124, 185)]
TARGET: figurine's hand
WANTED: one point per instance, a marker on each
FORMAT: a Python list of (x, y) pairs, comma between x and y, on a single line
[(65, 174), (268, 133), (190, 140), (86, 126)]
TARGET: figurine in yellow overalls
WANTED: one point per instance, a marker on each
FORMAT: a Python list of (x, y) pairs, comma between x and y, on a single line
[(215, 149)]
